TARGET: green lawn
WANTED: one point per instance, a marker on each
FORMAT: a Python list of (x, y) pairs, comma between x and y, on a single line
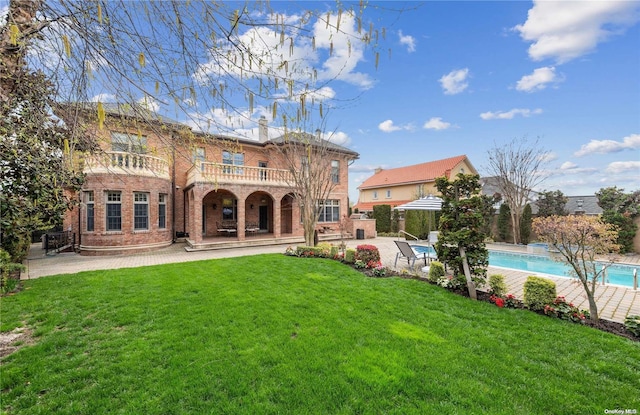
[(276, 334)]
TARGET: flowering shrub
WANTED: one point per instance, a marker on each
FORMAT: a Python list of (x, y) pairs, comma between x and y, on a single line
[(511, 301), (367, 253), (379, 270), (497, 300), (565, 311), (290, 251), (359, 264), (449, 281)]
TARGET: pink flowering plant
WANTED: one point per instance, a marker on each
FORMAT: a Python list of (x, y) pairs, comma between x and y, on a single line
[(563, 310), (368, 254)]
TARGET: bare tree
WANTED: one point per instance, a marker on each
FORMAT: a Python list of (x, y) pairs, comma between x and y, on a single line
[(315, 165), (213, 65), (517, 168)]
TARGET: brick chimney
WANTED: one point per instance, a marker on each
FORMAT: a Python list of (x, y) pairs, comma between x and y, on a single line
[(263, 130)]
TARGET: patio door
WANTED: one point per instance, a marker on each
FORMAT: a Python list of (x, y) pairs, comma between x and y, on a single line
[(264, 217)]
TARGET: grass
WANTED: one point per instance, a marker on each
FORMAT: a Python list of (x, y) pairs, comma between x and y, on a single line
[(275, 334)]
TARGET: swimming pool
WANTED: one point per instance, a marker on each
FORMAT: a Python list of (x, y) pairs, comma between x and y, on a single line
[(616, 274)]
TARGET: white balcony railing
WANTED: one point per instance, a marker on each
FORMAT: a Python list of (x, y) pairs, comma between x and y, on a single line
[(118, 162), (225, 173)]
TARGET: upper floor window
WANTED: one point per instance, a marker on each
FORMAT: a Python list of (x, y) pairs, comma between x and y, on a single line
[(128, 143), (420, 191), (140, 211), (198, 157), (335, 171), (232, 159), (375, 194), (388, 195), (114, 211)]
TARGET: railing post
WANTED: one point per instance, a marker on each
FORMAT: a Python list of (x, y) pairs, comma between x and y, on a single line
[(635, 278)]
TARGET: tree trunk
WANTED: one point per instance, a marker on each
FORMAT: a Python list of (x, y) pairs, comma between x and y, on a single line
[(593, 307), (467, 274)]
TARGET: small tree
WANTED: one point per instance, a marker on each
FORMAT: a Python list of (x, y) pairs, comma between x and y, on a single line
[(525, 224), (503, 222), (516, 167), (395, 221), (620, 209), (461, 240), (551, 203), (579, 240), (382, 215)]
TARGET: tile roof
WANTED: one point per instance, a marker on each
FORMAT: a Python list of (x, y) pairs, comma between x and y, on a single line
[(417, 173), (310, 138)]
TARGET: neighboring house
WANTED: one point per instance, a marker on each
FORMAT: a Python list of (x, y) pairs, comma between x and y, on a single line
[(403, 184), (578, 205), (154, 182)]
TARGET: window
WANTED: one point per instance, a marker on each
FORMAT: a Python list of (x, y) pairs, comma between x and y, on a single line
[(129, 143), (162, 211), (140, 211), (329, 211), (90, 219), (388, 196), (114, 211), (229, 209), (232, 159), (198, 157), (335, 171), (375, 195), (420, 190)]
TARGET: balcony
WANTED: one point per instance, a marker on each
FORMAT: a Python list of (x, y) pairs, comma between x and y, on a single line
[(117, 162), (228, 174)]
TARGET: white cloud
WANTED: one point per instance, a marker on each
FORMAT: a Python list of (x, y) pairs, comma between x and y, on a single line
[(149, 103), (408, 41), (388, 126), (565, 30), (436, 123), (568, 165), (502, 115), (337, 137), (618, 167), (455, 81), (335, 55), (538, 80), (630, 142), (104, 97)]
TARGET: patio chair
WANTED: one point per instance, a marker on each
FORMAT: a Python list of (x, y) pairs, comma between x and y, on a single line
[(406, 251)]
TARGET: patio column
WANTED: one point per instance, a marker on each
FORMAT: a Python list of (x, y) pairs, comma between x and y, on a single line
[(241, 219), (277, 220), (195, 231)]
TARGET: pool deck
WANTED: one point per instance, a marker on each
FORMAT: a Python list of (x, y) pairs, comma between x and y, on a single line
[(614, 302)]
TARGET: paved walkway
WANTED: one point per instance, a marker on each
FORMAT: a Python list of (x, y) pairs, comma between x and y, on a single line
[(614, 302)]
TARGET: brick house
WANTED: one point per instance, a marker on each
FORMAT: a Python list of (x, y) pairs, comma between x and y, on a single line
[(401, 185), (154, 182)]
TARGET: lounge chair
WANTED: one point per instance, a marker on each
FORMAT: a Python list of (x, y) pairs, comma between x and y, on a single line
[(406, 251)]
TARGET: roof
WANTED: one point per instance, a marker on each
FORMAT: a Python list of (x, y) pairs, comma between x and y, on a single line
[(138, 111), (587, 205), (417, 173), (310, 138)]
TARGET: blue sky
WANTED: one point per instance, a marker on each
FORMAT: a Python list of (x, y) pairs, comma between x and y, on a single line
[(453, 78), (464, 77)]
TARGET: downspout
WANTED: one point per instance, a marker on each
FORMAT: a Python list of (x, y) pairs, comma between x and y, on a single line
[(79, 220), (173, 188)]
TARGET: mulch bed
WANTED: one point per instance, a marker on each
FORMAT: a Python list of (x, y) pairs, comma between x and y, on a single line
[(608, 326)]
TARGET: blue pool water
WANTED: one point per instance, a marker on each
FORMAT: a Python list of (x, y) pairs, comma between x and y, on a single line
[(616, 274)]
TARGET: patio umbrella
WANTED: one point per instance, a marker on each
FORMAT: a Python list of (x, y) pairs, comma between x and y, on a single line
[(430, 203)]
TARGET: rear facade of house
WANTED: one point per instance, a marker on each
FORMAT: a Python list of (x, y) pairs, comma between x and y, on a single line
[(153, 183)]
